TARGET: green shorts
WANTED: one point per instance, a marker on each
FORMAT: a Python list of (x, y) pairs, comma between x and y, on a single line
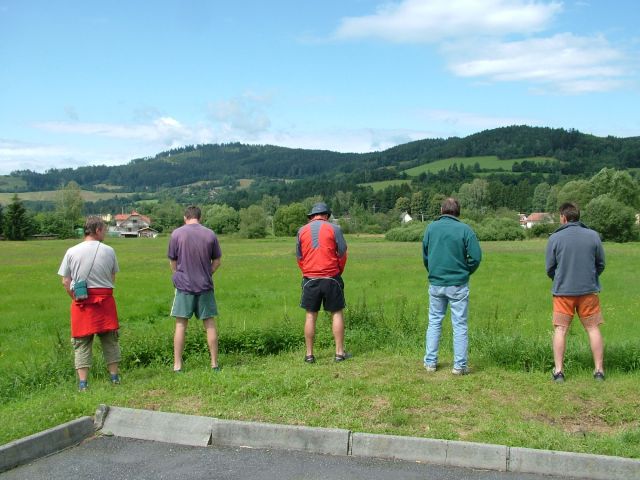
[(83, 348), (202, 305)]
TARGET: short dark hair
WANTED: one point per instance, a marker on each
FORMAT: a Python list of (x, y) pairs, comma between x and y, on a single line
[(570, 211), (450, 206), (192, 212), (92, 225)]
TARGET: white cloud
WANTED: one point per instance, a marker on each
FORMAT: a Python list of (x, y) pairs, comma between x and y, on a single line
[(564, 62), (164, 130), (244, 115), (477, 40), (436, 20), (16, 155), (465, 123)]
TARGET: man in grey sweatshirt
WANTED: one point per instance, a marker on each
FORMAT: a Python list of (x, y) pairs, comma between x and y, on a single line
[(574, 261)]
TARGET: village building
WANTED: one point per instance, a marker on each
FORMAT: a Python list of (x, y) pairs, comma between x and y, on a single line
[(529, 221), (405, 217), (133, 225)]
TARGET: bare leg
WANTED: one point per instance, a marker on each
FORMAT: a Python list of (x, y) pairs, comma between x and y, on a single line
[(597, 347), (212, 339), (559, 345), (113, 368), (338, 331), (310, 330), (178, 342), (83, 373)]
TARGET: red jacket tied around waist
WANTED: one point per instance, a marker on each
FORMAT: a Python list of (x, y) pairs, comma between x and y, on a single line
[(95, 314)]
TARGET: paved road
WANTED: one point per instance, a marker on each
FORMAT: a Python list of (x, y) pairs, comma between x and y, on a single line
[(116, 458)]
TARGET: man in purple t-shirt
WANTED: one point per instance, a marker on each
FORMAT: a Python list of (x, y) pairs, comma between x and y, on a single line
[(194, 255)]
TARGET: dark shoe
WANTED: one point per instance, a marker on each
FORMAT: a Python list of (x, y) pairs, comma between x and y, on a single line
[(310, 359), (83, 385), (343, 357), (178, 371), (115, 379), (599, 376), (558, 377), (217, 369)]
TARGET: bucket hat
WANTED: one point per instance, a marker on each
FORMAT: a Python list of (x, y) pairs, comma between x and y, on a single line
[(319, 208)]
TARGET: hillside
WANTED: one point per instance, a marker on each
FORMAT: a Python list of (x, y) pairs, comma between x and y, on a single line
[(224, 164)]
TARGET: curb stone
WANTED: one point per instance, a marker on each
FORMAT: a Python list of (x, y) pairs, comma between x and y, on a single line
[(203, 431), (44, 443), (170, 427)]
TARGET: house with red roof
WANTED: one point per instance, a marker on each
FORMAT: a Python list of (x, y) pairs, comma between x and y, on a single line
[(134, 225), (528, 221)]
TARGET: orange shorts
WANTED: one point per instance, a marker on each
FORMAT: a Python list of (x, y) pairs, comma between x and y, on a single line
[(586, 306)]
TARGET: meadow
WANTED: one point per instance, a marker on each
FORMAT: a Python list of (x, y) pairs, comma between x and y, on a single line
[(52, 196), (508, 399), (488, 163)]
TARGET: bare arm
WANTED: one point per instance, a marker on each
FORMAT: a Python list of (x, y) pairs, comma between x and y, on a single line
[(215, 264), (66, 282), (174, 265)]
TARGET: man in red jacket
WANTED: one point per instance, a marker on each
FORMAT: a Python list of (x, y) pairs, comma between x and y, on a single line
[(321, 251)]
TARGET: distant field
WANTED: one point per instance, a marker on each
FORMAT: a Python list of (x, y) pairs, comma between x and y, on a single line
[(486, 163), (383, 184), (11, 183), (51, 195), (245, 182)]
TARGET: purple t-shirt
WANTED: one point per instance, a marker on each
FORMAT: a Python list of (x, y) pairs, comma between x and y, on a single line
[(193, 246)]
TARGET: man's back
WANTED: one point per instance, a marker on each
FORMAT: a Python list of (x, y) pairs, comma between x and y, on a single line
[(575, 260), (451, 251), (193, 246), (321, 249)]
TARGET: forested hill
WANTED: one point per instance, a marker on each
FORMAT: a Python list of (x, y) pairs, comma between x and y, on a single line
[(225, 163)]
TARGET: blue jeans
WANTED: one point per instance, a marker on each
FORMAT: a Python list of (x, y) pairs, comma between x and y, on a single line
[(458, 298)]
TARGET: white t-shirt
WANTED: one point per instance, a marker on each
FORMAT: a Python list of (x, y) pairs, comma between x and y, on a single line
[(77, 262)]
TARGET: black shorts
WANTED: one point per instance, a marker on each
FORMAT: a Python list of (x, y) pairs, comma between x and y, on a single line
[(327, 291)]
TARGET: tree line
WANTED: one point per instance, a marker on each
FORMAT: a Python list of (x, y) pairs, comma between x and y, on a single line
[(609, 200)]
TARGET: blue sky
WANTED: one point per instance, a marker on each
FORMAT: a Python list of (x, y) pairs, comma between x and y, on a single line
[(92, 83)]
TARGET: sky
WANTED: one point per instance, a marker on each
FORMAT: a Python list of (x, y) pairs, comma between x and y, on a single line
[(102, 83)]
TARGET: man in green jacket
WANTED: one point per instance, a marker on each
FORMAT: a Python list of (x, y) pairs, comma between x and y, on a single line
[(451, 253)]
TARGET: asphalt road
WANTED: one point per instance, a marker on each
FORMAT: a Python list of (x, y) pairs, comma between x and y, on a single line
[(117, 458)]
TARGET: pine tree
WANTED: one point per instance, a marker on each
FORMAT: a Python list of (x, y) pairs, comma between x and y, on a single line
[(16, 223)]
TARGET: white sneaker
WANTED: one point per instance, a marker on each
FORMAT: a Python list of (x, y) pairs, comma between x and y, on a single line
[(430, 368), (460, 371)]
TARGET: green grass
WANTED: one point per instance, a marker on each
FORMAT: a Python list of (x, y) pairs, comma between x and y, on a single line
[(10, 184), (52, 195), (377, 186), (508, 399), (491, 163)]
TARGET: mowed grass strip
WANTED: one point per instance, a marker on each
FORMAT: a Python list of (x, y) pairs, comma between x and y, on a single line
[(489, 163), (508, 399)]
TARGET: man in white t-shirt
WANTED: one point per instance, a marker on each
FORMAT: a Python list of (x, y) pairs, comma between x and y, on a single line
[(96, 264)]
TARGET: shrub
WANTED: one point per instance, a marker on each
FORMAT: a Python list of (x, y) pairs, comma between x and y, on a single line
[(410, 232)]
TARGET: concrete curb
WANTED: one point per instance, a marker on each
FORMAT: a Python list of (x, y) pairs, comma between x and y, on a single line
[(192, 430), (202, 431), (45, 443)]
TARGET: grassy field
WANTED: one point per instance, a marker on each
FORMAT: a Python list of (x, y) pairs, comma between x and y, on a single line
[(52, 195), (377, 186), (9, 183), (486, 163), (508, 399)]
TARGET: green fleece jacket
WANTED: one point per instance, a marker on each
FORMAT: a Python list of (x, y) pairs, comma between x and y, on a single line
[(450, 251)]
